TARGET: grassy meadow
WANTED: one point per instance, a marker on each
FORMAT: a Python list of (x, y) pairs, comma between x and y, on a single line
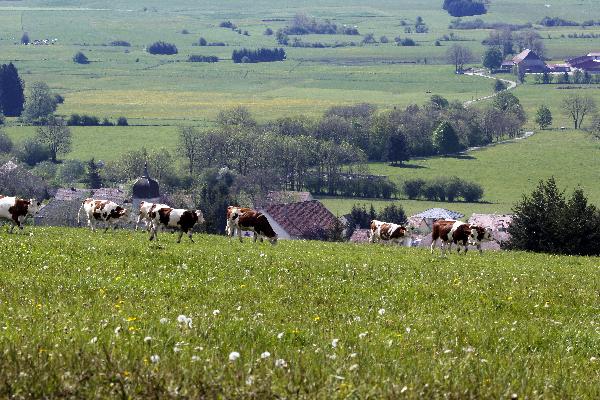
[(95, 315)]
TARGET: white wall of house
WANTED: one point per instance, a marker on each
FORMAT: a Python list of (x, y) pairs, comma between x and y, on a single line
[(281, 233)]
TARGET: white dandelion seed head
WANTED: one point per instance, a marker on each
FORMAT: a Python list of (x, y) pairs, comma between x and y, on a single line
[(353, 355), (408, 329), (117, 330), (381, 311), (353, 367), (181, 319), (176, 349), (250, 380), (362, 335), (334, 343), (279, 335), (216, 312), (154, 358), (163, 320), (147, 339), (265, 354), (94, 340), (234, 355), (195, 358)]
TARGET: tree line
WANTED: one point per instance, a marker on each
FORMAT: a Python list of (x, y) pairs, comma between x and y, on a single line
[(260, 55)]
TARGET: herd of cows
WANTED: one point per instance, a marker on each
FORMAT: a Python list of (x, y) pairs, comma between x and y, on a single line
[(239, 219)]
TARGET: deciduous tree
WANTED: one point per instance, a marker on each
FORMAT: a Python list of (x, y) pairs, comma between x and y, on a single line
[(577, 107)]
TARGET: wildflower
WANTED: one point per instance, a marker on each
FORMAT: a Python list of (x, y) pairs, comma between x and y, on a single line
[(265, 354), (280, 363), (117, 330), (332, 356), (176, 349), (184, 321), (216, 312), (317, 318), (195, 358), (447, 351), (381, 311), (352, 355), (154, 358), (357, 319), (593, 359), (249, 380), (129, 319), (353, 367), (334, 343), (163, 320), (279, 335), (147, 339), (404, 389), (408, 329), (234, 355), (94, 340), (362, 335)]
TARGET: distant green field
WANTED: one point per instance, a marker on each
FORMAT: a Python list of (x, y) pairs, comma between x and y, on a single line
[(505, 171), (95, 315), (167, 90)]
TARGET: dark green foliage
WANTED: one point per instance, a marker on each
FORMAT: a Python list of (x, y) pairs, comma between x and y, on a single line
[(405, 41), (227, 24), (499, 85), (122, 121), (397, 148), (393, 213), (122, 43), (413, 188), (202, 42), (6, 144), (162, 48), (32, 152), (556, 21), (492, 58), (80, 58), (442, 189), (445, 140), (268, 32), (260, 55), (463, 8), (12, 98), (200, 58), (282, 37), (546, 222), (438, 101), (93, 179), (106, 122), (543, 117), (471, 192), (83, 120), (304, 25), (25, 38), (70, 172), (215, 185)]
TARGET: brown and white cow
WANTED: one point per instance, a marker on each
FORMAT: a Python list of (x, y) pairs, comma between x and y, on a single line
[(16, 210), (247, 219), (105, 211), (388, 232), (460, 233), (174, 218), (143, 215)]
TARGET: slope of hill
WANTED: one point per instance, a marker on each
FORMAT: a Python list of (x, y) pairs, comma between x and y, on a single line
[(95, 315)]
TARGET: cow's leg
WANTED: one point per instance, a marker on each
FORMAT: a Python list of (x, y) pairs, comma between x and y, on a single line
[(443, 248), (479, 248), (153, 232), (433, 243), (180, 235), (239, 231), (137, 223), (14, 222), (107, 225), (92, 224), (190, 235)]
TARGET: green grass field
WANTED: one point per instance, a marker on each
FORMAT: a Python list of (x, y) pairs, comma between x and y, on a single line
[(82, 318)]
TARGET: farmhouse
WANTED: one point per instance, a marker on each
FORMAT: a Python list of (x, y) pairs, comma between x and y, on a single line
[(301, 220), (284, 197), (529, 62), (588, 63)]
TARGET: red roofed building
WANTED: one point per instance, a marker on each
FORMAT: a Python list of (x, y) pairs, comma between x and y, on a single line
[(589, 62), (528, 61), (301, 220)]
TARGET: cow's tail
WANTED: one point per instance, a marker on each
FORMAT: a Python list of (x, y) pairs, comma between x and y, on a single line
[(79, 213)]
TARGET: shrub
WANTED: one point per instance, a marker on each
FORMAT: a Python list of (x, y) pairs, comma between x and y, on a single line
[(406, 42), (162, 48), (393, 213), (227, 24), (185, 32), (384, 39), (471, 192), (25, 38), (499, 85), (6, 144), (80, 58), (260, 55), (32, 152), (199, 58), (83, 120), (540, 221), (122, 121), (70, 172), (106, 122), (413, 188), (59, 99), (120, 43), (202, 42), (268, 32)]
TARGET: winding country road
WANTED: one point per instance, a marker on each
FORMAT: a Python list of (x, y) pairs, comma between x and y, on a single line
[(511, 85)]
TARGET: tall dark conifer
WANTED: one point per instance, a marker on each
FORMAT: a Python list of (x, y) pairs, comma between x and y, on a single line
[(12, 95)]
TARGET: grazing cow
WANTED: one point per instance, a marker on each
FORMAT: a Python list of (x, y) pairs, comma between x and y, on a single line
[(16, 210), (145, 208), (174, 218), (458, 232), (106, 211), (247, 219), (386, 231)]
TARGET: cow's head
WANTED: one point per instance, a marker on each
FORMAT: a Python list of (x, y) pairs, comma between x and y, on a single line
[(122, 211), (273, 240), (480, 234), (34, 207)]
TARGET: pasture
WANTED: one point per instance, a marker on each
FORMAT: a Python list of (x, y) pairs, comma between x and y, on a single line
[(95, 315)]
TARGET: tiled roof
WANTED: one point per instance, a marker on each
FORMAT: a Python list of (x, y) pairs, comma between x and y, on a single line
[(439, 213), (283, 197), (112, 194), (301, 219)]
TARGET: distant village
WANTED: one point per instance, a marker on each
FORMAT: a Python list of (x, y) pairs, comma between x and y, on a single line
[(529, 62)]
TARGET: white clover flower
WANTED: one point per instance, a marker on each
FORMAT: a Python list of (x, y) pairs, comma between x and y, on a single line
[(357, 318), (362, 335), (117, 330), (352, 355), (164, 320), (147, 339), (404, 389), (239, 308), (447, 351), (593, 359), (250, 380), (181, 319), (279, 335), (332, 356), (216, 312), (154, 358), (234, 355), (265, 354), (353, 367), (381, 311), (176, 349), (94, 340), (408, 329), (195, 358), (334, 343), (280, 363)]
